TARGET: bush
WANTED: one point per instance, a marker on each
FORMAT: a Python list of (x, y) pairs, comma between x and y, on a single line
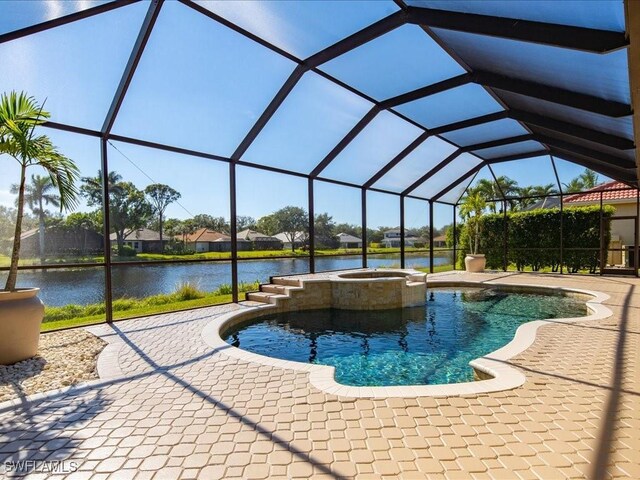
[(124, 251), (187, 291), (177, 248), (533, 238)]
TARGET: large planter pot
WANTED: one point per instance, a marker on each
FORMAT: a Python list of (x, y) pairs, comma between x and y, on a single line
[(21, 313), (475, 263)]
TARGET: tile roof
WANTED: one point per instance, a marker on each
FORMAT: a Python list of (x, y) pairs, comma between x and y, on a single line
[(206, 235), (347, 238), (610, 192), (253, 236), (142, 234)]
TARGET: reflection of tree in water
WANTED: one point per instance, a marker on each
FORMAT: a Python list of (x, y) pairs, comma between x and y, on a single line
[(366, 325)]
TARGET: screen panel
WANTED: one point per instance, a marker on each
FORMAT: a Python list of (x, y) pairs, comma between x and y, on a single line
[(447, 175), (380, 141), (599, 14), (166, 214), (51, 235), (19, 14), (604, 76), (311, 121), (301, 28), (486, 132), (383, 230), (512, 149), (620, 126), (461, 103), (530, 176), (195, 86), (426, 156), (338, 230), (74, 69), (387, 66)]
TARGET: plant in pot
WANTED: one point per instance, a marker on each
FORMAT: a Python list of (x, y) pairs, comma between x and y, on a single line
[(21, 311), (471, 212)]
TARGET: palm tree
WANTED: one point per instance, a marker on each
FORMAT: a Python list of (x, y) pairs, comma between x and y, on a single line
[(19, 117), (574, 186), (508, 187), (545, 190), (37, 194), (471, 211), (589, 178), (525, 194), (488, 189)]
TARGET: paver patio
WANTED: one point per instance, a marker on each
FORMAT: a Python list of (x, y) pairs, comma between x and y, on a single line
[(176, 409)]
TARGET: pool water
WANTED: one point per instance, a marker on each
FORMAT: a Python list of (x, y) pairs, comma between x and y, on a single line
[(409, 346)]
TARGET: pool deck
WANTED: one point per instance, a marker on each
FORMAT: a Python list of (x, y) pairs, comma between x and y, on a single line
[(169, 406)]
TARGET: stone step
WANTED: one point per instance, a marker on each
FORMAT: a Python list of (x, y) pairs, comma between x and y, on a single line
[(262, 297), (292, 282), (277, 289)]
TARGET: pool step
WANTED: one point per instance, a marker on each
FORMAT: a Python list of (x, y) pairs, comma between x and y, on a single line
[(287, 281), (262, 297), (277, 289)]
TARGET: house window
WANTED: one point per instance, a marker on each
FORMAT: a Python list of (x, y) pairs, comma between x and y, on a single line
[(135, 245)]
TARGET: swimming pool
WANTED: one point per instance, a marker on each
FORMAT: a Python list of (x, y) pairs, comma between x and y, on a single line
[(410, 346)]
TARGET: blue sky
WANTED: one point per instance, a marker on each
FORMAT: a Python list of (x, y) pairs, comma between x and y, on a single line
[(202, 86)]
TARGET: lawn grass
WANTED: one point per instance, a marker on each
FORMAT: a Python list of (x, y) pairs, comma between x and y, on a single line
[(205, 301), (185, 297), (151, 257), (437, 268)]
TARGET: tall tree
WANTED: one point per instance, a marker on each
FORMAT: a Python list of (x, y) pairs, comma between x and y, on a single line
[(525, 194), (80, 223), (508, 187), (574, 186), (217, 224), (471, 211), (291, 221), (268, 225), (325, 233), (243, 222), (19, 117), (37, 194), (589, 178), (545, 190), (489, 190), (160, 197), (129, 209)]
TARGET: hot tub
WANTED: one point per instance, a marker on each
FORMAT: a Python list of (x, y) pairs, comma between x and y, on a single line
[(378, 289)]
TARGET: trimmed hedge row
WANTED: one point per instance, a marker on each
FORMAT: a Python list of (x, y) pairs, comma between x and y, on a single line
[(533, 238)]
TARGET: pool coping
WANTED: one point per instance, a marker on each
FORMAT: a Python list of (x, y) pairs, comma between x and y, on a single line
[(495, 364)]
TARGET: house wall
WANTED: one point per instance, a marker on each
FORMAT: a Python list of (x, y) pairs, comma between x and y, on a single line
[(200, 246), (267, 245), (624, 228), (350, 245), (62, 242), (152, 246)]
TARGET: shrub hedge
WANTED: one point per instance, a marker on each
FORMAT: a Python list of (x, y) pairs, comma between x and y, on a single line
[(533, 238)]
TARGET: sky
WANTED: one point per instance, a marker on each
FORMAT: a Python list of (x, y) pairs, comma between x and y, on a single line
[(201, 86)]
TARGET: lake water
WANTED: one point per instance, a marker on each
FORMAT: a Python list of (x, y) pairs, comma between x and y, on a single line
[(86, 285)]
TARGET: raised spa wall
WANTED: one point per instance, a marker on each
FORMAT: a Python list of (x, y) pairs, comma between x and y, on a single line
[(359, 290)]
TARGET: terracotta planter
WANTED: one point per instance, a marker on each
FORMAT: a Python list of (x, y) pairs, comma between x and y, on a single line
[(475, 263), (21, 313)]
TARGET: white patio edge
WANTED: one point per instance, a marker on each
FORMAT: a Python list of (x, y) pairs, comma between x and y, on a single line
[(495, 364)]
